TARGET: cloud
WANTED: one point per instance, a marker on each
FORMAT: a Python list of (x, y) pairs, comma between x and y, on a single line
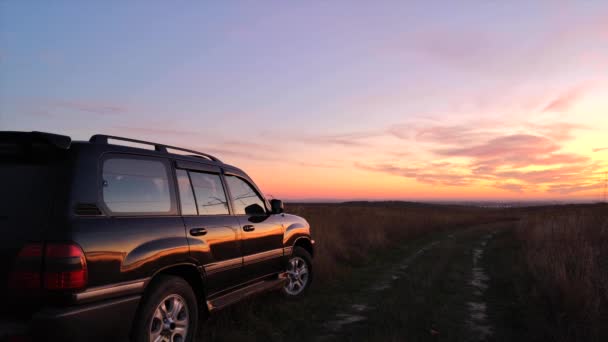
[(559, 174), (421, 174), (249, 146), (221, 153), (437, 134), (478, 131), (530, 157), (514, 187), (524, 160), (558, 131), (563, 102), (600, 149), (156, 131), (463, 48), (355, 139), (89, 107), (319, 165), (244, 150), (566, 189), (510, 146)]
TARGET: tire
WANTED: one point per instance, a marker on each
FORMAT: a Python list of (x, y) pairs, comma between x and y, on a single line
[(298, 282), (159, 314)]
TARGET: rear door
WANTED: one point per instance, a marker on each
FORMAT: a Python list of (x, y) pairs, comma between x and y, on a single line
[(212, 231), (32, 183), (262, 232)]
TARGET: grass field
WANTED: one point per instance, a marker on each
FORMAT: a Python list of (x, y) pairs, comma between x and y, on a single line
[(350, 234), (407, 271), (566, 252)]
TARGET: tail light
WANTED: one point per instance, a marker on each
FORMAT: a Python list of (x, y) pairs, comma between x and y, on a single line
[(65, 267), (56, 266), (26, 275)]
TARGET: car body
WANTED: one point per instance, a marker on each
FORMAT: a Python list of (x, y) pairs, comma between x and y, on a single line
[(88, 226)]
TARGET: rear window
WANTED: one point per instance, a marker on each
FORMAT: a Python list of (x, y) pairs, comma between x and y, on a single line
[(137, 186), (186, 197), (29, 179), (209, 192)]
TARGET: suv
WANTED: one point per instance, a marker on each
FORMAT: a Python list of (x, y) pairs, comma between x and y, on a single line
[(104, 240)]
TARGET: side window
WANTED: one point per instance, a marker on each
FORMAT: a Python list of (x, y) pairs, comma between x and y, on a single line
[(136, 186), (246, 200), (186, 196), (209, 193)]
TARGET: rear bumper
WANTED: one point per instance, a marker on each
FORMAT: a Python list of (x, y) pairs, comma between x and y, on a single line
[(108, 320)]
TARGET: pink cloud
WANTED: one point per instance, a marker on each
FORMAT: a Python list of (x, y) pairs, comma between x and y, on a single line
[(532, 159), (156, 131), (501, 159), (354, 139), (600, 149), (566, 100), (428, 174), (558, 131), (561, 174), (511, 146)]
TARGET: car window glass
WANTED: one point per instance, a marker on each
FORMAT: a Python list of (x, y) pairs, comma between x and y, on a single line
[(209, 193), (136, 186), (186, 196), (245, 199)]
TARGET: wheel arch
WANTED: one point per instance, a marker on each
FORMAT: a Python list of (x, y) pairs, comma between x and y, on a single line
[(306, 243), (191, 274)]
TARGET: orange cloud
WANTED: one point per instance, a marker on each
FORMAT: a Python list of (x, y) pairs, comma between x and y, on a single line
[(504, 160), (510, 146)]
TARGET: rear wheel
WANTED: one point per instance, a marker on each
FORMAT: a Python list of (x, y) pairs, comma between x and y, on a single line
[(299, 273), (168, 313)]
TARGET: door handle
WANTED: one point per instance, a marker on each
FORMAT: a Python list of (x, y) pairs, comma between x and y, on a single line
[(248, 228), (198, 231)]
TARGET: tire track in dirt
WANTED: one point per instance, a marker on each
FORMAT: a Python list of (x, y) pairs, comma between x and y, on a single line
[(359, 311), (478, 322)]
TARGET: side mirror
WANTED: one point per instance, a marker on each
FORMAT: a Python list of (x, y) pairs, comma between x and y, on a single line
[(255, 210), (276, 206)]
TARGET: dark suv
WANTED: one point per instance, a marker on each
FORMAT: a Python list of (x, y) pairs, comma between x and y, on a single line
[(107, 240)]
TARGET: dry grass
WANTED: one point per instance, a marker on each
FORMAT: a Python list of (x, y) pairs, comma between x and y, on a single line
[(566, 250), (349, 234)]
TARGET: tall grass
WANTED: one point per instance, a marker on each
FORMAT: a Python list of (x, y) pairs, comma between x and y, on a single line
[(350, 234), (566, 250)]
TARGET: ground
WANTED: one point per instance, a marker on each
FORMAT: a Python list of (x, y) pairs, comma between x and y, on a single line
[(464, 285)]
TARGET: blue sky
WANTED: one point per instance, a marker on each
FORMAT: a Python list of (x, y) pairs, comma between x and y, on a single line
[(333, 92)]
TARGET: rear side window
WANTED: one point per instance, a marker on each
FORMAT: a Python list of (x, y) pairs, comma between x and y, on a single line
[(136, 186), (186, 196), (209, 192), (245, 199)]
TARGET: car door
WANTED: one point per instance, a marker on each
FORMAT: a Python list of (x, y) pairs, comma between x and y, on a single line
[(213, 233), (261, 232)]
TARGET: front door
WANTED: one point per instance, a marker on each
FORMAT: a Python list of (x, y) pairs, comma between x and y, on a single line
[(261, 232), (212, 232)]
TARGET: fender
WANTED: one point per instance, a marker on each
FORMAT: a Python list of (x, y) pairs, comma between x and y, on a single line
[(297, 228)]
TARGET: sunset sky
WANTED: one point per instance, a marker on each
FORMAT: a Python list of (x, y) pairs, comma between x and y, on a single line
[(333, 100)]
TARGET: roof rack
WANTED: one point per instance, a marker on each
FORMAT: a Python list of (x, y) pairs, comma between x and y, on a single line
[(103, 139)]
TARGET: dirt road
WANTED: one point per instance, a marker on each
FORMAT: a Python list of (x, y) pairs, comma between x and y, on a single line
[(447, 287)]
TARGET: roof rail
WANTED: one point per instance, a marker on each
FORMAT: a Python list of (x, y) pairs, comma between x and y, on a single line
[(103, 139)]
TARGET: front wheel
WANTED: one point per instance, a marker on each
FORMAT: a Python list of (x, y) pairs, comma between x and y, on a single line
[(299, 273)]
